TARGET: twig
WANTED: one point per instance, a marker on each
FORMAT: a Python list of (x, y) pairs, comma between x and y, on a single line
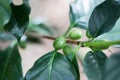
[(49, 37), (37, 36), (68, 40)]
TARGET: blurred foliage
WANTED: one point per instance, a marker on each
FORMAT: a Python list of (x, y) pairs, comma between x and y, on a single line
[(10, 63), (100, 18), (19, 19), (40, 26), (80, 13)]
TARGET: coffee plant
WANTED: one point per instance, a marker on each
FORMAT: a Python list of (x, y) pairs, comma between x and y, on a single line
[(102, 30)]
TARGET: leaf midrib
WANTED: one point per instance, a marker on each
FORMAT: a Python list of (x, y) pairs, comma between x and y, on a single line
[(51, 65)]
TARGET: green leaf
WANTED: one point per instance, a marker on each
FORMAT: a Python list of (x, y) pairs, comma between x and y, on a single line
[(94, 64), (4, 36), (111, 35), (74, 13), (52, 66), (19, 19), (83, 22), (79, 13), (69, 54), (75, 64), (72, 58), (10, 64), (104, 17), (41, 27), (112, 68), (5, 13)]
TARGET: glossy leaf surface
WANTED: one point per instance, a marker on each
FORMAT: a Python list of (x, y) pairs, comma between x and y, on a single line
[(19, 19), (112, 68), (111, 35), (72, 58), (94, 65), (104, 17), (10, 64), (52, 66)]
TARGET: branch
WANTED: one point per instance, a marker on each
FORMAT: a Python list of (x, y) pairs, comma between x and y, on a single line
[(96, 45), (68, 40), (37, 36)]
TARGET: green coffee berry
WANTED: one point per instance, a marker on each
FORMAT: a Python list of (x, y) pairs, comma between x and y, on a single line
[(67, 50), (75, 34), (101, 44), (59, 43), (23, 42)]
